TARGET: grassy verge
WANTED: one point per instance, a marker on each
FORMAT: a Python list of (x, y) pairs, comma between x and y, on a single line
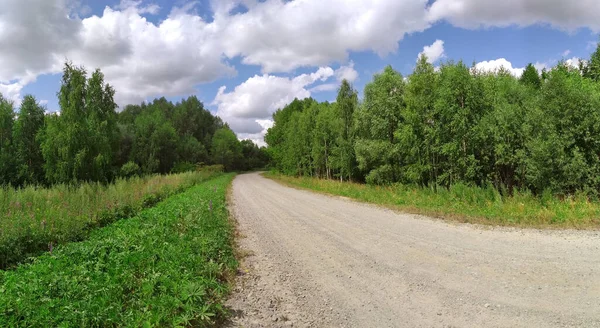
[(465, 204), (32, 220), (167, 266)]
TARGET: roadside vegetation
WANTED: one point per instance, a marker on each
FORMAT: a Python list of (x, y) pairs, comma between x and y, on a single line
[(462, 203), (35, 220), (65, 173), (167, 266), (456, 133)]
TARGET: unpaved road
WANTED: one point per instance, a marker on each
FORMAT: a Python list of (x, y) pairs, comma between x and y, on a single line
[(320, 261)]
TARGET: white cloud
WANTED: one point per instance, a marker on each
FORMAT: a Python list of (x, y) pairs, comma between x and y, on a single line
[(12, 92), (346, 73), (33, 37), (433, 52), (249, 107), (144, 60), (258, 138), (137, 6), (325, 87), (568, 15), (283, 35), (495, 65), (573, 62), (43, 102), (566, 53)]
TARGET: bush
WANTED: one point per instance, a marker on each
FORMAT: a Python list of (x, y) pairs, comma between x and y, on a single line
[(130, 169), (181, 167)]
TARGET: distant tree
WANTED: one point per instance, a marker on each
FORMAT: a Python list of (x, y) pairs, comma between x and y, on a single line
[(226, 149), (325, 140), (29, 124), (7, 155), (80, 143), (531, 77), (417, 137), (346, 104), (101, 120), (377, 121), (592, 69), (65, 144), (155, 145)]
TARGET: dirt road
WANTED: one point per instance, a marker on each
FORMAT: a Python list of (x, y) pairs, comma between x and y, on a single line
[(320, 261)]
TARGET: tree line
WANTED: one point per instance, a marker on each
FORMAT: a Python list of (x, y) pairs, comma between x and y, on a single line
[(88, 140), (452, 124)]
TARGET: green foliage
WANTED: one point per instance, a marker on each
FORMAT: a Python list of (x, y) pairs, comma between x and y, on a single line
[(88, 141), (531, 77), (166, 267), (452, 125), (28, 154), (79, 144), (130, 169), (7, 155), (591, 69), (463, 203), (34, 217), (226, 149)]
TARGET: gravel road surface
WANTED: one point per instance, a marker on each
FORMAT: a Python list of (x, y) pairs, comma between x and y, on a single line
[(321, 261)]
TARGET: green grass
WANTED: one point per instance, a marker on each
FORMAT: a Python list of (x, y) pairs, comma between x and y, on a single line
[(168, 266), (33, 218), (465, 204)]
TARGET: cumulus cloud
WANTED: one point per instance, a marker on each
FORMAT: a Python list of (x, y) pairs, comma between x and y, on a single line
[(143, 60), (12, 92), (568, 15), (433, 52), (573, 62), (347, 73), (495, 65), (283, 35), (248, 108), (325, 87), (33, 36)]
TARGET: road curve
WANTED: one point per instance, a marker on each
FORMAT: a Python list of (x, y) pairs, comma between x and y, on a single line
[(321, 261)]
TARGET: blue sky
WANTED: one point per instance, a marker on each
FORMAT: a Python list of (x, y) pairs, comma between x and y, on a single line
[(265, 53)]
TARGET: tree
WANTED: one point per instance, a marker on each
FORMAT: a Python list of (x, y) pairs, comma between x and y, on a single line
[(29, 124), (324, 140), (457, 110), (226, 149), (65, 143), (156, 140), (502, 131), (417, 137), (377, 121), (531, 77), (7, 164), (346, 103), (101, 121), (592, 69), (277, 137), (563, 143), (80, 143)]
